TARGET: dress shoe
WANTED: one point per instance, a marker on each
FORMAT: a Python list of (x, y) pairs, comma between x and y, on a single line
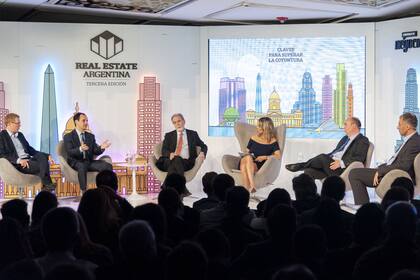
[(294, 167)]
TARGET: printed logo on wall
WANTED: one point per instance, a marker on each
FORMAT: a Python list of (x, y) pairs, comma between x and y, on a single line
[(106, 45), (104, 74), (405, 43)]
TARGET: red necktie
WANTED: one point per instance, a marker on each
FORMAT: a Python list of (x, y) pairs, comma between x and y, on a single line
[(179, 145)]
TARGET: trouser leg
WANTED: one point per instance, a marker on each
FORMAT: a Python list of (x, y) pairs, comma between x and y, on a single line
[(360, 178)]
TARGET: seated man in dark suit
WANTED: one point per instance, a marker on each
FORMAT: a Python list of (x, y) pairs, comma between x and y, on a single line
[(179, 148), (15, 148), (81, 148), (352, 147), (402, 159)]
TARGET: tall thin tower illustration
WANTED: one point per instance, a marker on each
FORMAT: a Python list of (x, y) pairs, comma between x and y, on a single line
[(340, 96), (258, 96), (49, 125), (350, 101), (326, 98), (149, 124)]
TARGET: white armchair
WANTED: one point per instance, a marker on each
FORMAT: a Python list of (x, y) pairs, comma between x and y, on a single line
[(69, 173), (161, 175), (11, 176), (271, 168)]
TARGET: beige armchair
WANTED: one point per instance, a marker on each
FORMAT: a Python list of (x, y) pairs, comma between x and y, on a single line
[(161, 175), (11, 176), (68, 172), (389, 177), (357, 164), (271, 168)]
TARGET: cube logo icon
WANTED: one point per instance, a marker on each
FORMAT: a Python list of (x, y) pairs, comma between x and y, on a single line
[(106, 45)]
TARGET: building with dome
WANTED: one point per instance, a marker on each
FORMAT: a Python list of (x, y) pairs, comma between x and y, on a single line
[(274, 112)]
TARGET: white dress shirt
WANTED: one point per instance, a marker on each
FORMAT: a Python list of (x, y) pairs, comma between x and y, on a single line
[(394, 156), (18, 146), (339, 155)]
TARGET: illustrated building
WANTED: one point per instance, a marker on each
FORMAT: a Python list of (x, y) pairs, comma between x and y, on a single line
[(307, 104), (411, 92), (149, 124), (3, 113), (49, 124), (258, 96), (293, 119), (411, 98), (350, 101), (232, 94), (326, 98), (340, 96)]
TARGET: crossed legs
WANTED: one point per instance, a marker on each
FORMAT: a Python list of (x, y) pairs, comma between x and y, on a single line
[(248, 169)]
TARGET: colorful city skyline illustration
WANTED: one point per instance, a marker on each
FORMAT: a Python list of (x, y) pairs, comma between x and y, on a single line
[(312, 85), (411, 104)]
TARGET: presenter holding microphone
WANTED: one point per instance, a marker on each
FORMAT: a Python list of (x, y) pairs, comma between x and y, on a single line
[(81, 148)]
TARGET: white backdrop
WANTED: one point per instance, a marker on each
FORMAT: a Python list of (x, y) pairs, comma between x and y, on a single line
[(170, 53), (390, 77)]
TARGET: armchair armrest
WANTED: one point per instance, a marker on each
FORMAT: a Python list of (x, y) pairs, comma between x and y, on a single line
[(385, 183), (346, 172), (230, 163)]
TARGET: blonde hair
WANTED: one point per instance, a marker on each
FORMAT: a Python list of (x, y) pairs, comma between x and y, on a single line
[(11, 117), (268, 128)]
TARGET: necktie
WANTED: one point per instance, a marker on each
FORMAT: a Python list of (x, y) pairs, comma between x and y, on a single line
[(343, 146), (82, 135), (179, 145)]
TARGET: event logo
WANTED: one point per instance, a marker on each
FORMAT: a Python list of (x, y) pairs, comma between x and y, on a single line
[(405, 43), (106, 45), (106, 73)]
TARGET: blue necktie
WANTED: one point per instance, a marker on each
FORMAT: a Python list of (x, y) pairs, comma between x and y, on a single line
[(343, 146)]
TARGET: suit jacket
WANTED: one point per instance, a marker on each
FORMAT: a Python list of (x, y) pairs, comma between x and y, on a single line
[(404, 159), (357, 151), (8, 150), (72, 146), (170, 141)]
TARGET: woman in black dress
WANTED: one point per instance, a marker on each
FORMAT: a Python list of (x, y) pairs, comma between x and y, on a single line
[(260, 147)]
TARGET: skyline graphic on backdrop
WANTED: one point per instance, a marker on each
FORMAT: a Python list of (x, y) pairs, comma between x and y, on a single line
[(411, 99), (49, 124), (312, 93), (306, 112), (3, 113), (149, 125)]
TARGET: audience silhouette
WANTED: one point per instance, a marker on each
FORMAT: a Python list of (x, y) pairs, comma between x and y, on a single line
[(220, 238)]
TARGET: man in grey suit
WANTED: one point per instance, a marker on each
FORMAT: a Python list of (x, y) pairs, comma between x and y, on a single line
[(403, 159)]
